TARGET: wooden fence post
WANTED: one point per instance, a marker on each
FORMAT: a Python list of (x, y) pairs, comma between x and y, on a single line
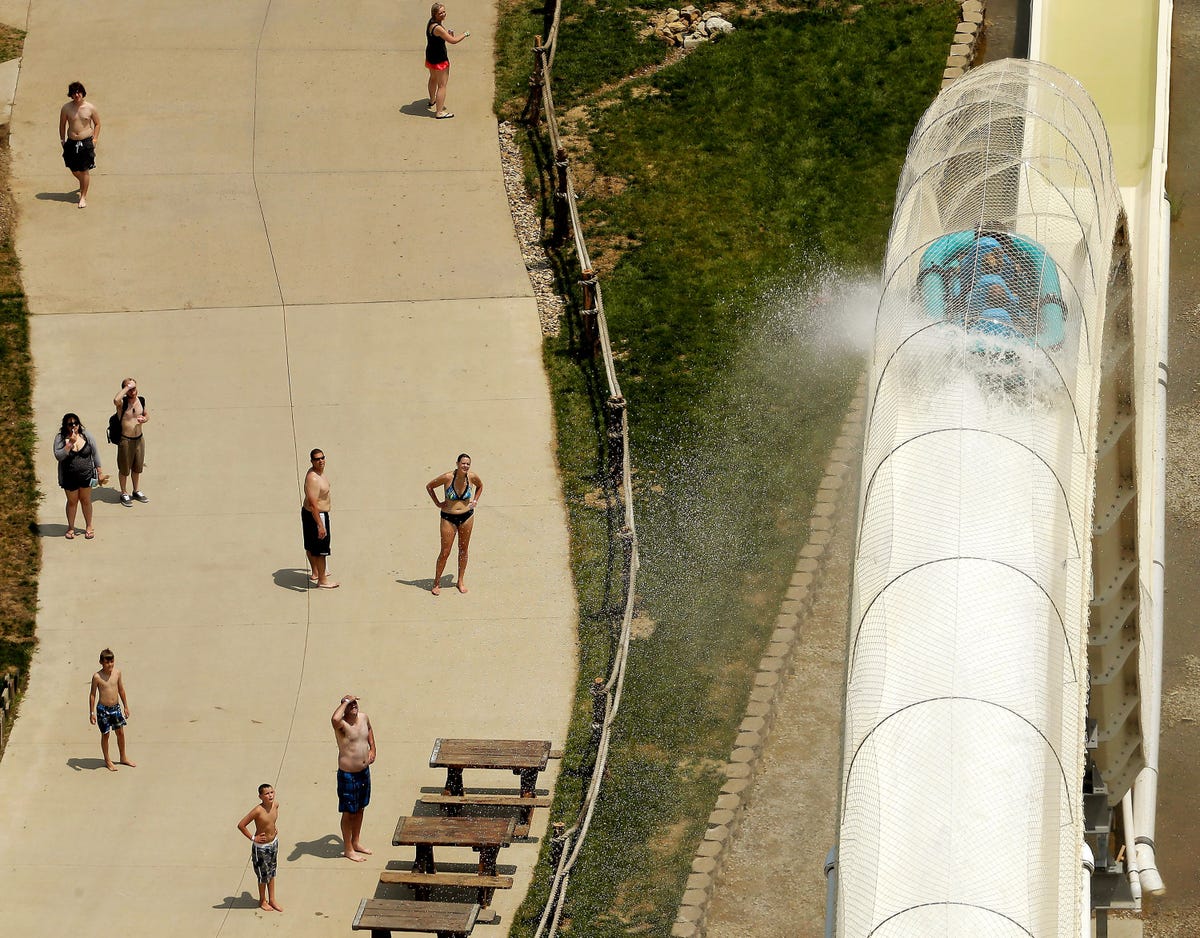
[(533, 107), (615, 427), (562, 213), (591, 331)]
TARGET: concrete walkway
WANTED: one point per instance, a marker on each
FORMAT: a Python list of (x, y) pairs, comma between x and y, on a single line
[(287, 251)]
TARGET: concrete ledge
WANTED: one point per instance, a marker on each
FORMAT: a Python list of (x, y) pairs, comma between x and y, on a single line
[(962, 52)]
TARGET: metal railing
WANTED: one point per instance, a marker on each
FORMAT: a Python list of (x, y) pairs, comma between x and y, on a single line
[(606, 693)]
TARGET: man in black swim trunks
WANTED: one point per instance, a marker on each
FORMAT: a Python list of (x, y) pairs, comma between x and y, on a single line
[(79, 131), (314, 519)]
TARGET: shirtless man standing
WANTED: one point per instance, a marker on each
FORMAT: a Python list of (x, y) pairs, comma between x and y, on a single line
[(314, 519), (79, 131), (356, 752), (131, 451)]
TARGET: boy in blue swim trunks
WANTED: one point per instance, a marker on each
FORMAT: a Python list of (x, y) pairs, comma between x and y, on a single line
[(105, 703), (264, 845)]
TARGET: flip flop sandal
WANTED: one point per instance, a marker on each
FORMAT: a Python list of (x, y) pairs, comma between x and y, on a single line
[(70, 535), (88, 535), (445, 115)]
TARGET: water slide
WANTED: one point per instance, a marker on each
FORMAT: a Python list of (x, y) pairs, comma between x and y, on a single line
[(1004, 648)]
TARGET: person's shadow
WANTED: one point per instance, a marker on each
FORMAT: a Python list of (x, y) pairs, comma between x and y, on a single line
[(290, 578), (419, 108), (109, 496), (80, 764), (427, 583), (58, 196), (50, 530), (328, 847), (244, 901)]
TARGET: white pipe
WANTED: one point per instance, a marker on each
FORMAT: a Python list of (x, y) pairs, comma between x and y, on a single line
[(1145, 789), (1131, 866), (830, 891), (1085, 908)]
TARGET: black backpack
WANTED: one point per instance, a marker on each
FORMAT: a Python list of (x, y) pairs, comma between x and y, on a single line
[(114, 422)]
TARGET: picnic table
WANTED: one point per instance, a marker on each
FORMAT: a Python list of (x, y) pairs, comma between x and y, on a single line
[(523, 757), (484, 835), (445, 919)]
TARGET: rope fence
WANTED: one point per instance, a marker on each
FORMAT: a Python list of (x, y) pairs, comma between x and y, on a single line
[(567, 842)]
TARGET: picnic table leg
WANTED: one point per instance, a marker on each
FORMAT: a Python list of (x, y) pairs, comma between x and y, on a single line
[(487, 867), (423, 864), (454, 782), (529, 779)]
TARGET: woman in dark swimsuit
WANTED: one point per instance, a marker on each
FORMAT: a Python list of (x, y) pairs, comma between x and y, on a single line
[(462, 489), (437, 60), (78, 470)]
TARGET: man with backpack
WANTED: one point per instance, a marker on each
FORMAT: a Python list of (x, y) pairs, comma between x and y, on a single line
[(131, 413)]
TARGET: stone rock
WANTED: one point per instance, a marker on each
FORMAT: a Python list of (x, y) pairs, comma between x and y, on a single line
[(690, 42), (672, 16), (718, 25), (678, 26)]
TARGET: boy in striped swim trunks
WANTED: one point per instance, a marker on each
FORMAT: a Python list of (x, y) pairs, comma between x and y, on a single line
[(264, 845), (105, 702)]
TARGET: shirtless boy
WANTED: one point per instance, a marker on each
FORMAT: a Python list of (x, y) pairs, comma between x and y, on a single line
[(264, 845), (314, 519), (79, 131), (112, 709), (356, 752)]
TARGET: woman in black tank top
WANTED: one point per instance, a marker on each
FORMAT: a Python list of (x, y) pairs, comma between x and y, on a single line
[(437, 60)]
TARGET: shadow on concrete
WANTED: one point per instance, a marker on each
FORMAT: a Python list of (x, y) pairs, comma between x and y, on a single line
[(291, 578), (328, 847), (419, 108), (71, 197), (90, 764), (106, 495), (51, 530), (425, 584), (244, 901)]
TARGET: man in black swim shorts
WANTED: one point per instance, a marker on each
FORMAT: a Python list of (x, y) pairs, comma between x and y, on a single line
[(314, 520), (79, 131)]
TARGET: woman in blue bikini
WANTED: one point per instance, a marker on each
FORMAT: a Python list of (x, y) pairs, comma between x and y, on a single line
[(462, 489)]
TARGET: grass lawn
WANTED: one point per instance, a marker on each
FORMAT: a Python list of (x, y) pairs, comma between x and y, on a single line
[(717, 195), (20, 552)]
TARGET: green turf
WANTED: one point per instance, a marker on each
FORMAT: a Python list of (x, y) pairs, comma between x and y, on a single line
[(736, 180)]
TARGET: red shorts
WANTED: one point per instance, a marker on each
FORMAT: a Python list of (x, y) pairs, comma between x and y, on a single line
[(440, 67)]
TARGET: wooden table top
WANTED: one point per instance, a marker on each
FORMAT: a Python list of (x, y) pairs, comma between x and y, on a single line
[(414, 915), (454, 831), (490, 754)]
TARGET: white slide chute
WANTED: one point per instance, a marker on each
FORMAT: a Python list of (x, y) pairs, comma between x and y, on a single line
[(1002, 332)]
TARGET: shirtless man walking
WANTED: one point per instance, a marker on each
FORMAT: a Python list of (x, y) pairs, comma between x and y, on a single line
[(79, 131), (356, 752), (314, 519), (131, 450)]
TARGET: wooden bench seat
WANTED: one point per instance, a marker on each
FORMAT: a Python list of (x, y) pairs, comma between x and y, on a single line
[(445, 919), (424, 881), (526, 805), (514, 801)]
